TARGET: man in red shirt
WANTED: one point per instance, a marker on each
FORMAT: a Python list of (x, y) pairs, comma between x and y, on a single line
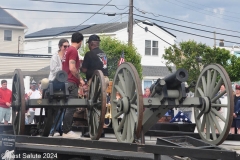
[(5, 102), (71, 64)]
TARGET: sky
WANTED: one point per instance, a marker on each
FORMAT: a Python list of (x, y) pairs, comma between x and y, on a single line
[(215, 13)]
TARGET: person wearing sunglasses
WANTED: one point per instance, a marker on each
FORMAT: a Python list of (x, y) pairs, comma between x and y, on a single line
[(55, 66)]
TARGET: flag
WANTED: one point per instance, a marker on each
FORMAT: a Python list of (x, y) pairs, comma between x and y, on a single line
[(121, 59)]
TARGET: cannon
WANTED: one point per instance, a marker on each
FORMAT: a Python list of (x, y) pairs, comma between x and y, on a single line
[(167, 93), (54, 98)]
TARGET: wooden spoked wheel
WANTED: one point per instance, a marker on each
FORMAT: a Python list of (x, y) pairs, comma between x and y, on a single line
[(96, 105), (127, 110), (214, 118), (18, 103)]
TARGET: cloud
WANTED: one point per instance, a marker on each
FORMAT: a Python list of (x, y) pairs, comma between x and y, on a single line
[(218, 10)]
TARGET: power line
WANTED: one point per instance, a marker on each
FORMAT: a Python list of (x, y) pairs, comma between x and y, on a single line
[(206, 10), (195, 34), (92, 15), (35, 10), (209, 7), (117, 19), (85, 20), (93, 4), (189, 27), (159, 15), (201, 12), (152, 32)]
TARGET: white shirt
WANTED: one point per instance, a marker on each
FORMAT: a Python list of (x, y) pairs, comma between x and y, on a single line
[(35, 95)]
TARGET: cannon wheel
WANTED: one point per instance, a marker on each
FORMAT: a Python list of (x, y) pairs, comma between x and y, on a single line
[(96, 105), (212, 113), (18, 103), (130, 105)]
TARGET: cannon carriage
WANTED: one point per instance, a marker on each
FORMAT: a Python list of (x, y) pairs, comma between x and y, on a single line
[(138, 113)]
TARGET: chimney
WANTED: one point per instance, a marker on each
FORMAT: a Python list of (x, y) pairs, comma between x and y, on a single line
[(221, 43)]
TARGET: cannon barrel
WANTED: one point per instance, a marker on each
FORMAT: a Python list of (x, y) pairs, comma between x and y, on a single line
[(61, 76), (175, 79)]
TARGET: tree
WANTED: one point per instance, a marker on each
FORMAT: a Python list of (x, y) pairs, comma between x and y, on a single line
[(186, 56), (113, 48)]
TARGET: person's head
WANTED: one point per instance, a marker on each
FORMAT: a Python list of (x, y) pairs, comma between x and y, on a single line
[(237, 87), (77, 39), (63, 44), (147, 91), (4, 84), (222, 88), (93, 41), (33, 86)]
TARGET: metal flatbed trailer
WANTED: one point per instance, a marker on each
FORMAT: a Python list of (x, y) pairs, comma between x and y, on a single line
[(106, 149)]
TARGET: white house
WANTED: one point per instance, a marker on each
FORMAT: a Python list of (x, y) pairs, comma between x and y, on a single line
[(149, 46), (234, 49), (11, 33)]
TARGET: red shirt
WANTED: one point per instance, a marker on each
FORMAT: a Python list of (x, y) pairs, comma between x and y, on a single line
[(71, 54), (5, 96)]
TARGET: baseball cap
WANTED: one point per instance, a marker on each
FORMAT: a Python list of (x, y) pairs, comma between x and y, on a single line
[(93, 37)]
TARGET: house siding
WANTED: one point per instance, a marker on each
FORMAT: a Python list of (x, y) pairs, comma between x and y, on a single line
[(12, 46), (9, 64), (139, 37)]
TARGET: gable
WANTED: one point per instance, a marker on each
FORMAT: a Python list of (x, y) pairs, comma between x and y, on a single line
[(8, 19)]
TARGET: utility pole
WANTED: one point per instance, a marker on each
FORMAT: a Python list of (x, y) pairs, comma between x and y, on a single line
[(214, 39), (130, 23), (19, 43)]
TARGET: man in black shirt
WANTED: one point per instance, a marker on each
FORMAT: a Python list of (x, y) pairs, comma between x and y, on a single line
[(95, 59)]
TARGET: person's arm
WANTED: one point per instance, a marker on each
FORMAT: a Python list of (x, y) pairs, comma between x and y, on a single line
[(54, 66), (73, 69), (1, 99), (85, 63)]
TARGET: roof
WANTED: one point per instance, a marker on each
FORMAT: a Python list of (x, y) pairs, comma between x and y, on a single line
[(56, 31), (159, 71), (7, 19), (105, 28), (85, 29), (164, 30)]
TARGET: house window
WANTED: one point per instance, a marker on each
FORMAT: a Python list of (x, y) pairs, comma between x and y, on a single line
[(7, 35), (147, 83), (147, 47), (151, 48), (49, 46), (155, 48)]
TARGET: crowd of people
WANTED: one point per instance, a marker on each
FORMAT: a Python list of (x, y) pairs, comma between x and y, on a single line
[(66, 59)]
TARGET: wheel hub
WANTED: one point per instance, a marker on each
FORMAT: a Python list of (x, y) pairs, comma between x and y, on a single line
[(206, 107), (124, 105)]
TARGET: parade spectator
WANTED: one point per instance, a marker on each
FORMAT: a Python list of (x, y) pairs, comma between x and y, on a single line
[(71, 65), (95, 59), (55, 66), (33, 93), (5, 102), (147, 93), (236, 117)]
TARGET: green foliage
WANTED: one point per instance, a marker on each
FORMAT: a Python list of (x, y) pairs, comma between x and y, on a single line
[(186, 57), (113, 48)]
